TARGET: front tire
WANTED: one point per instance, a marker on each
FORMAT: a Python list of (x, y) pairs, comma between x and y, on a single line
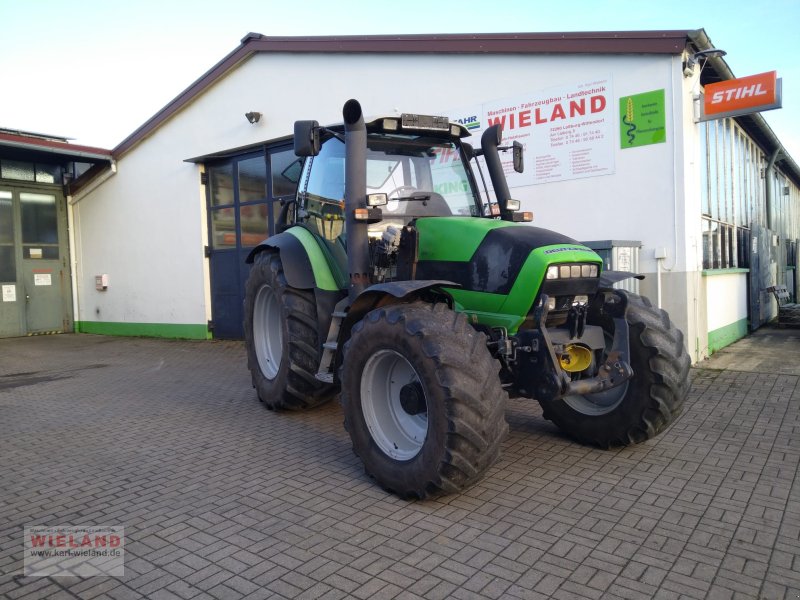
[(283, 347), (645, 405), (422, 399)]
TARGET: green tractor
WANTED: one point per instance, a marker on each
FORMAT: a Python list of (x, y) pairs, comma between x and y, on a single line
[(395, 284)]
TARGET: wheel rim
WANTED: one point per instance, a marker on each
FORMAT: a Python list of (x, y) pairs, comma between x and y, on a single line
[(267, 331), (600, 403), (603, 402), (388, 384)]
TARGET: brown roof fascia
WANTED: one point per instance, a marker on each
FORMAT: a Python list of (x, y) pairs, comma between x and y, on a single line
[(73, 187), (67, 148), (625, 42), (604, 42)]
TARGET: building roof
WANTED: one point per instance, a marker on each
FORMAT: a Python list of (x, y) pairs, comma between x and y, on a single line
[(597, 42), (610, 42), (48, 144)]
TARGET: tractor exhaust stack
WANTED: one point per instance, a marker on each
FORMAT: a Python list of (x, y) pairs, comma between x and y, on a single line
[(355, 196), (490, 140)]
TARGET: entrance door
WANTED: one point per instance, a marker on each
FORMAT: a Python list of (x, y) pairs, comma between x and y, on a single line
[(243, 201), (34, 263)]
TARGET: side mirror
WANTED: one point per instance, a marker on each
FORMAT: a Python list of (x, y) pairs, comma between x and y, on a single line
[(306, 138), (519, 165)]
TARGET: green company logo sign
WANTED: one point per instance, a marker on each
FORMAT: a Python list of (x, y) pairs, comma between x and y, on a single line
[(642, 120)]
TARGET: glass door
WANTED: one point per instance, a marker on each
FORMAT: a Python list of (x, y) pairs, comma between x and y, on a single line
[(34, 267), (244, 196)]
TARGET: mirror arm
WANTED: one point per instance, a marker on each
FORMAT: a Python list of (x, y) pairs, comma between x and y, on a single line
[(338, 136)]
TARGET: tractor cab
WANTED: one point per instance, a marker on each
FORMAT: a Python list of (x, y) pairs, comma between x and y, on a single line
[(410, 173), (415, 168)]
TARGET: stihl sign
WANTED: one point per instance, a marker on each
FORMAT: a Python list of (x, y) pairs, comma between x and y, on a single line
[(742, 96)]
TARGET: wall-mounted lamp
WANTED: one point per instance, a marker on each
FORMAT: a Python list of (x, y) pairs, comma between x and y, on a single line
[(253, 117), (693, 59)]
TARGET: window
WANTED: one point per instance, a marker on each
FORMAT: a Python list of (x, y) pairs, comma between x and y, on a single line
[(39, 225), (252, 179), (286, 169), (731, 193), (27, 171), (220, 180), (422, 176), (7, 269), (323, 200)]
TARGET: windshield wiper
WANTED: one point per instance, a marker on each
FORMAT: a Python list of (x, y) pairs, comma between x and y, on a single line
[(416, 197)]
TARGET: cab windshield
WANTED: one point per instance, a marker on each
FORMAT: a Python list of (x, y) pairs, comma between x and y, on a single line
[(421, 176)]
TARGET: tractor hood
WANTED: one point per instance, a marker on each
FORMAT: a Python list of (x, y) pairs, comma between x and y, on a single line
[(487, 255), (499, 265)]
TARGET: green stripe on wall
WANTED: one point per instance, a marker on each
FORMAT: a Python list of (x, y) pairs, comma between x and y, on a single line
[(161, 330), (724, 336)]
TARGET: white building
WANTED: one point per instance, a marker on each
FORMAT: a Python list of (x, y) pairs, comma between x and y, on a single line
[(714, 204)]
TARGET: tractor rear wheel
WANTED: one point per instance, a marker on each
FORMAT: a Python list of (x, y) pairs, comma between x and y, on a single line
[(283, 347), (646, 404), (422, 399)]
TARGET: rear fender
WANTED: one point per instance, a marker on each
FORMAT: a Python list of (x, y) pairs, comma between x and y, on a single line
[(305, 264), (609, 278)]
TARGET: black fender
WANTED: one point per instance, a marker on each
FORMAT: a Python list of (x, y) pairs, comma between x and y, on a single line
[(300, 273), (609, 278), (296, 264)]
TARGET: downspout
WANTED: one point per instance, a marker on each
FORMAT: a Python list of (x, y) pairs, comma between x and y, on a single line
[(75, 235), (73, 267), (770, 184)]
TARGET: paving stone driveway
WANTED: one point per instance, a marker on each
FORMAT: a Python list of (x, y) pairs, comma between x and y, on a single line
[(222, 498)]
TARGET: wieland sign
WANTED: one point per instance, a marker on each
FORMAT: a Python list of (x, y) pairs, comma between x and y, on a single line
[(741, 96)]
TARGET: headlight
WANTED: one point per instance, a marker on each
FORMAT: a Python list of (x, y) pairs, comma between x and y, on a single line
[(571, 271)]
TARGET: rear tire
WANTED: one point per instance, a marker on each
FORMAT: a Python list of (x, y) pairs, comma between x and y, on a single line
[(283, 347), (422, 399), (646, 404)]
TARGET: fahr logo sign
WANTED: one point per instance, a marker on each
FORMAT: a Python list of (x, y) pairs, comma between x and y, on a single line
[(742, 96)]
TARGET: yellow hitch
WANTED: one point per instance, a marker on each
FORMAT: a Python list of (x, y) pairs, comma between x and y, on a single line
[(575, 358)]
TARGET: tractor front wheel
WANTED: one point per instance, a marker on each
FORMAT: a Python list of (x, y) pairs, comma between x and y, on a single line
[(422, 399), (646, 404)]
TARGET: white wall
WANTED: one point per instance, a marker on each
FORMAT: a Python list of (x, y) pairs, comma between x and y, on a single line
[(146, 225), (726, 297), (145, 228)]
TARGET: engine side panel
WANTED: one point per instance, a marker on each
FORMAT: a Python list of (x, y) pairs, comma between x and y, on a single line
[(499, 265)]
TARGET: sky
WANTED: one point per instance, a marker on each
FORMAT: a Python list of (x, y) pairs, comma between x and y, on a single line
[(95, 70)]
